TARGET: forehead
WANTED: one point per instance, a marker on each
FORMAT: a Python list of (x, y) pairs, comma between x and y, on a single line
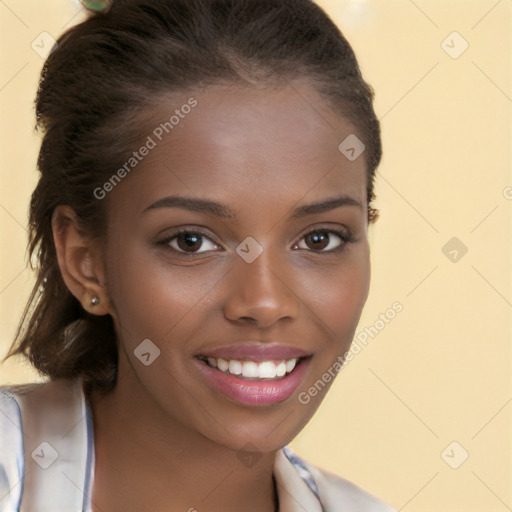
[(239, 143)]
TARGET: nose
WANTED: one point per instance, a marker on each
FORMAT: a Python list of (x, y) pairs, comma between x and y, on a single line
[(260, 293)]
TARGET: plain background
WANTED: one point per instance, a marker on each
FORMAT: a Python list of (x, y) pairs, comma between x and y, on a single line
[(440, 371)]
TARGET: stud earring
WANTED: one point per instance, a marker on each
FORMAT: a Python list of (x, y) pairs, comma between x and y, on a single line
[(95, 300)]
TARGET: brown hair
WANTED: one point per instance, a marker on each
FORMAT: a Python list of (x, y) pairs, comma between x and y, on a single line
[(94, 87)]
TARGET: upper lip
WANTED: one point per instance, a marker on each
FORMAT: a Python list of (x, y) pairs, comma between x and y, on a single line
[(255, 351)]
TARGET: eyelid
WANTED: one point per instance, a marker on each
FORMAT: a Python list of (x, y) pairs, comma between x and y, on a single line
[(188, 230), (343, 233)]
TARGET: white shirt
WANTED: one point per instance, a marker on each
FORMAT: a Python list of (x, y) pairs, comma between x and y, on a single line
[(47, 459)]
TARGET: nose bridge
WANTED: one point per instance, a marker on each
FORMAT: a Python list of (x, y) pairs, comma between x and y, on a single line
[(264, 274), (260, 290)]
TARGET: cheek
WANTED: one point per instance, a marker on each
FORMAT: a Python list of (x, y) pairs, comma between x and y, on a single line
[(339, 297), (154, 299), (348, 298), (338, 307)]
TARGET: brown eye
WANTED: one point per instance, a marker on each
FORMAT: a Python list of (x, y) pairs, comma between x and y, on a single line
[(189, 242), (325, 240), (317, 240)]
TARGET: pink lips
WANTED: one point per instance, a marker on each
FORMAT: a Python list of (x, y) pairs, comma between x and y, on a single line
[(256, 352), (254, 392)]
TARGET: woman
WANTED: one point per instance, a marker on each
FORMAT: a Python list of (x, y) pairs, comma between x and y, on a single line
[(201, 225)]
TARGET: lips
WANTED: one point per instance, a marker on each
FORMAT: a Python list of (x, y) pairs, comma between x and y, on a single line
[(253, 373), (256, 352), (249, 369)]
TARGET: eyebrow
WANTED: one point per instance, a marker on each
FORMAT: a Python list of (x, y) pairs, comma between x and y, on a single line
[(224, 211)]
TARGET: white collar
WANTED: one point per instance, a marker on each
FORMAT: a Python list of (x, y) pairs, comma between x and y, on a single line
[(54, 429)]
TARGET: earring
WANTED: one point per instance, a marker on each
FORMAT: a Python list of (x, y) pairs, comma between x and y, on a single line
[(95, 300)]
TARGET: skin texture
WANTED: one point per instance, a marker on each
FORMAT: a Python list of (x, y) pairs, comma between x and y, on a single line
[(164, 439)]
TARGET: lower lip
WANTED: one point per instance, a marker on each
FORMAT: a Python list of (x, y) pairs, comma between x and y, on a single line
[(253, 392)]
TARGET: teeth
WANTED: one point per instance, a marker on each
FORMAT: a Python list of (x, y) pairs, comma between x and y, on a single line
[(235, 367), (281, 369), (251, 369), (267, 370), (290, 365), (222, 364)]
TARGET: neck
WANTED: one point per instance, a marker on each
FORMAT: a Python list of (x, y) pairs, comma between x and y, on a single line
[(145, 460)]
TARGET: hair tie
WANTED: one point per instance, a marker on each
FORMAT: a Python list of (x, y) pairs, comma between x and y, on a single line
[(96, 6)]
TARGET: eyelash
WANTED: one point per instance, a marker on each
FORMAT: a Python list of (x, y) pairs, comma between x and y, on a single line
[(345, 237)]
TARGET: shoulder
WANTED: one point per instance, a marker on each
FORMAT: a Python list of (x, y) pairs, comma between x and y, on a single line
[(12, 419), (44, 445), (12, 464), (49, 404), (334, 490), (10, 410), (338, 494)]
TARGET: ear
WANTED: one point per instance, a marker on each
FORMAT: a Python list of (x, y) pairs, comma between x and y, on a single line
[(80, 261)]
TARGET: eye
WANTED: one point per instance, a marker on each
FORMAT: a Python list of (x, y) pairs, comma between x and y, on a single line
[(188, 242), (326, 240)]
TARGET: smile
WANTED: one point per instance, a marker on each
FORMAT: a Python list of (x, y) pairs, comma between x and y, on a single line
[(265, 382), (252, 370)]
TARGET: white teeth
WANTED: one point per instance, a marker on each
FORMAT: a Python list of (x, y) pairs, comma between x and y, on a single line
[(281, 369), (290, 365), (252, 370), (267, 370), (235, 367), (222, 364)]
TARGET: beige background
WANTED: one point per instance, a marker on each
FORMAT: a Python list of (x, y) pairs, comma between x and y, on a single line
[(441, 370)]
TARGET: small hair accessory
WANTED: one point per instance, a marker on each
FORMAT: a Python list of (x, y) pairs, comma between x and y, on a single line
[(95, 300), (96, 6)]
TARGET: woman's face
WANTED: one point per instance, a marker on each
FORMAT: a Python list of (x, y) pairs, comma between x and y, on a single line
[(249, 287)]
